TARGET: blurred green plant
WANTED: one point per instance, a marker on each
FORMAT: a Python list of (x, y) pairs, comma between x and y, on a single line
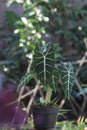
[(68, 125), (65, 125), (58, 20), (47, 20)]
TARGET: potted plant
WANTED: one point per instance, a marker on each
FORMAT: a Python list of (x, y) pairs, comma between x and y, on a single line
[(43, 69)]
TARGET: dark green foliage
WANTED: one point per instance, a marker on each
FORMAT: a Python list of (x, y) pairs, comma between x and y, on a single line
[(25, 79), (44, 64), (66, 24), (82, 91), (11, 18), (67, 78), (45, 71)]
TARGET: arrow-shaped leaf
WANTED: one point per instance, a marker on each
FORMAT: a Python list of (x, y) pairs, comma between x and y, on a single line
[(67, 78)]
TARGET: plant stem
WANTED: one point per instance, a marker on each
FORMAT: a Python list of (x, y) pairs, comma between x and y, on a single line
[(48, 96)]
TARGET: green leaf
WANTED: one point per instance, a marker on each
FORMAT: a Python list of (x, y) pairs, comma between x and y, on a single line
[(42, 100), (83, 91), (44, 63), (25, 79), (67, 78), (11, 18)]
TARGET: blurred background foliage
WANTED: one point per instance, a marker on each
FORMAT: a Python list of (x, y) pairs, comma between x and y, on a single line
[(59, 21), (42, 21)]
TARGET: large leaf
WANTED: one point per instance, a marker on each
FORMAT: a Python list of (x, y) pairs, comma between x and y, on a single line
[(42, 67), (67, 77), (44, 64)]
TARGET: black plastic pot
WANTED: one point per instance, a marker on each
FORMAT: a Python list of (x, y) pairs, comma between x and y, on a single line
[(44, 117)]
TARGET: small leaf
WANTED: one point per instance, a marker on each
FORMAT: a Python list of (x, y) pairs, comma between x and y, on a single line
[(67, 78), (83, 91), (42, 100), (25, 79)]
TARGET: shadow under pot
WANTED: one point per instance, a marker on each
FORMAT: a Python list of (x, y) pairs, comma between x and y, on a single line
[(44, 117)]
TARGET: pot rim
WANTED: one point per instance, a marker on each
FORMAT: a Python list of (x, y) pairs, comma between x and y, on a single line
[(47, 109)]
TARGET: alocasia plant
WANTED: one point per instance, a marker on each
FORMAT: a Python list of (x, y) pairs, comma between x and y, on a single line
[(43, 68)]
